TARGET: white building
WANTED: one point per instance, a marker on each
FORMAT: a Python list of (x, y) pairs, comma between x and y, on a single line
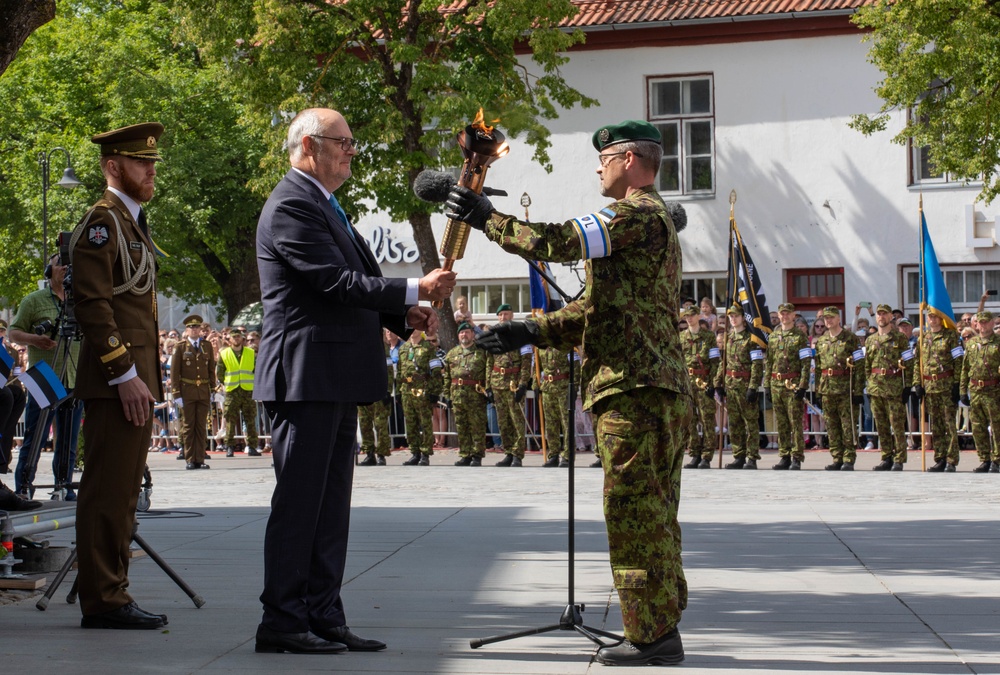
[(759, 103)]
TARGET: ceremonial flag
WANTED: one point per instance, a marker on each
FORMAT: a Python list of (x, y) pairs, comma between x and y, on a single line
[(933, 293), (6, 363), (543, 299), (743, 287), (43, 384)]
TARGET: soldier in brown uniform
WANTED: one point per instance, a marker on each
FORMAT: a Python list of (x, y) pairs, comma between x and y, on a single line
[(192, 381), (509, 378), (118, 376)]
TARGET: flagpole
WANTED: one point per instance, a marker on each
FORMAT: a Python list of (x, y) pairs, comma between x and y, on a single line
[(731, 292), (923, 302)]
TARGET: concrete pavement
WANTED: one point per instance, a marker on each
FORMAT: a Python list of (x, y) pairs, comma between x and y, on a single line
[(789, 572)]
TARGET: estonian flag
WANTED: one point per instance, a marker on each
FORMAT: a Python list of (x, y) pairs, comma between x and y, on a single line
[(43, 384), (542, 297), (744, 288), (933, 293)]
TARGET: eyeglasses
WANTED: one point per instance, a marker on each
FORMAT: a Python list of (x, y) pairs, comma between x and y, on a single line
[(345, 142), (605, 158)]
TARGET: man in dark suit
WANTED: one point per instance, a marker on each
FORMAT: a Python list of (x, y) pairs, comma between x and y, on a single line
[(325, 304)]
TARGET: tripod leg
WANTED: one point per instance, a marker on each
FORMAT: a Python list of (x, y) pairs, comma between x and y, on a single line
[(479, 642), (197, 599), (592, 634), (43, 601)]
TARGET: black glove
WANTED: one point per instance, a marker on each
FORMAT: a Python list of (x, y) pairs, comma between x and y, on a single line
[(751, 395), (721, 391), (489, 396), (388, 399), (506, 337), (955, 395), (469, 207), (519, 394), (919, 392), (965, 399), (800, 394), (432, 398), (907, 392), (857, 400)]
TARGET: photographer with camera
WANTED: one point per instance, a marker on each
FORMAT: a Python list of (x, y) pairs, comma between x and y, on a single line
[(40, 318)]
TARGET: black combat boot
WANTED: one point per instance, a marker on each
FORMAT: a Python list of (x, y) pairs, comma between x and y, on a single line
[(693, 464), (796, 465), (705, 464), (368, 461), (737, 463), (476, 461), (983, 468), (848, 466), (884, 465), (506, 461), (464, 461), (950, 468), (835, 466), (751, 464), (516, 461), (381, 460), (413, 460), (425, 459), (784, 462), (552, 461), (663, 652), (897, 466), (938, 466)]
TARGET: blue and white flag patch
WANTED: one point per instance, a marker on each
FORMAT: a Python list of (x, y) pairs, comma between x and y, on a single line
[(907, 355), (436, 363), (756, 355), (806, 353), (595, 241), (527, 349), (714, 353), (957, 352), (858, 354)]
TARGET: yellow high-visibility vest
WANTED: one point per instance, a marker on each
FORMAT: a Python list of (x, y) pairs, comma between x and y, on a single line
[(238, 373)]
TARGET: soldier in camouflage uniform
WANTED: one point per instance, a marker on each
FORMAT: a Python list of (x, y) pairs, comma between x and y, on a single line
[(701, 353), (889, 365), (636, 381), (554, 386), (509, 380), (980, 377), (420, 384), (374, 418), (841, 368), (786, 381), (737, 385), (464, 378), (936, 382)]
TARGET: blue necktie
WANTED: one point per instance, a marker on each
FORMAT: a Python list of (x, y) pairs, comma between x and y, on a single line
[(343, 216)]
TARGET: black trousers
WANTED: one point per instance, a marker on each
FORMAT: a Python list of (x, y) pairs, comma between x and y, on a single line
[(12, 401), (305, 543)]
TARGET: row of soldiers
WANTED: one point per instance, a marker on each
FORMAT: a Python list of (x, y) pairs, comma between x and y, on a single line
[(938, 372), (466, 379)]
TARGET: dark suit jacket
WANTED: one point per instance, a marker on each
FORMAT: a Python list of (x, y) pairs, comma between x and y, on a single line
[(325, 303)]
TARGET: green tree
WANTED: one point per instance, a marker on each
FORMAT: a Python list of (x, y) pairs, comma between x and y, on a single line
[(102, 64), (407, 75), (941, 60)]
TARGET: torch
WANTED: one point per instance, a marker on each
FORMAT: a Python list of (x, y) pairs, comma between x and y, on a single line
[(481, 145)]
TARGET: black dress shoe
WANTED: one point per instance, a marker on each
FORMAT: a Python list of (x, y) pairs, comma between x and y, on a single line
[(229, 452), (551, 462), (191, 465), (666, 651), (355, 643), (180, 455), (126, 617), (202, 465), (253, 452), (506, 461), (463, 461), (11, 501), (272, 642)]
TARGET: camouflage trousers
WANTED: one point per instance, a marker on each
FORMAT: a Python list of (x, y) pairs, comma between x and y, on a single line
[(743, 434), (238, 402), (702, 446), (510, 419), (556, 416), (640, 437), (469, 408), (374, 422), (984, 410), (942, 412), (418, 413), (788, 417), (889, 414), (840, 415)]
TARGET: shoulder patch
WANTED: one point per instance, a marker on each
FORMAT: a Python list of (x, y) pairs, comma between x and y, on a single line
[(113, 342), (97, 235)]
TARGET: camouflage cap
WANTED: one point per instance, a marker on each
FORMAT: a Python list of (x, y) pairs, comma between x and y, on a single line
[(193, 320), (786, 307), (883, 308), (689, 311), (237, 330), (465, 325), (831, 311), (985, 315), (137, 141), (735, 309), (623, 132), (904, 320), (504, 308)]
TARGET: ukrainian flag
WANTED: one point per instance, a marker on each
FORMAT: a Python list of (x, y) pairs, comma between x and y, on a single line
[(933, 293)]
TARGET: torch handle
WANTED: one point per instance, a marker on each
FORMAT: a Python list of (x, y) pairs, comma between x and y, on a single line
[(448, 264)]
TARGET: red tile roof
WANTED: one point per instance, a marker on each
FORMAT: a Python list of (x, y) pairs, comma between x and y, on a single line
[(594, 13)]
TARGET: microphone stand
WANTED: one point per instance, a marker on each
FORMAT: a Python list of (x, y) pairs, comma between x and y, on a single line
[(572, 615)]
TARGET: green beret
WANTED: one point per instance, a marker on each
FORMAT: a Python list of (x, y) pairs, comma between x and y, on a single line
[(984, 315), (786, 307), (465, 325), (504, 308), (883, 308), (137, 141), (629, 130), (831, 311), (735, 309), (690, 311)]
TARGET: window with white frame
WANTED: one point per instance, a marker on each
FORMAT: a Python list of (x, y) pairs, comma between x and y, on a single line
[(965, 283), (711, 285), (683, 109), (924, 173), (484, 298)]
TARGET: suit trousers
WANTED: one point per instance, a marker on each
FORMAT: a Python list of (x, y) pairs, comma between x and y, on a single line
[(305, 542), (194, 430), (115, 456)]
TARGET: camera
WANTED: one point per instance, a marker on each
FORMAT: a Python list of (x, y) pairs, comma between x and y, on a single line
[(46, 327)]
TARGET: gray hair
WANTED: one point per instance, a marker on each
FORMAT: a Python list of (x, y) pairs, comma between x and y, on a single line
[(649, 153), (306, 123)]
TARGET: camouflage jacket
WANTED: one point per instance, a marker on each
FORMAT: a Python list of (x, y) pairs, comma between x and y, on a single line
[(888, 363), (839, 370), (743, 355), (786, 359), (981, 364), (554, 364), (463, 364), (625, 320), (511, 370), (419, 368), (702, 357), (941, 356)]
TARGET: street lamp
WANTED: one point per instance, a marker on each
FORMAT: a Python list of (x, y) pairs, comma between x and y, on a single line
[(67, 182)]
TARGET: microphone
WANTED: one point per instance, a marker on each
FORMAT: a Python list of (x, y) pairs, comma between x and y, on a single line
[(434, 186), (678, 215)]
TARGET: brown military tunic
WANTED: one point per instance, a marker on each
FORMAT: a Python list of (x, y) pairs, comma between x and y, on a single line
[(193, 379), (119, 333)]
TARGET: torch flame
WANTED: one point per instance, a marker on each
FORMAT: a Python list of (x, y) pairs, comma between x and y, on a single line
[(480, 123)]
